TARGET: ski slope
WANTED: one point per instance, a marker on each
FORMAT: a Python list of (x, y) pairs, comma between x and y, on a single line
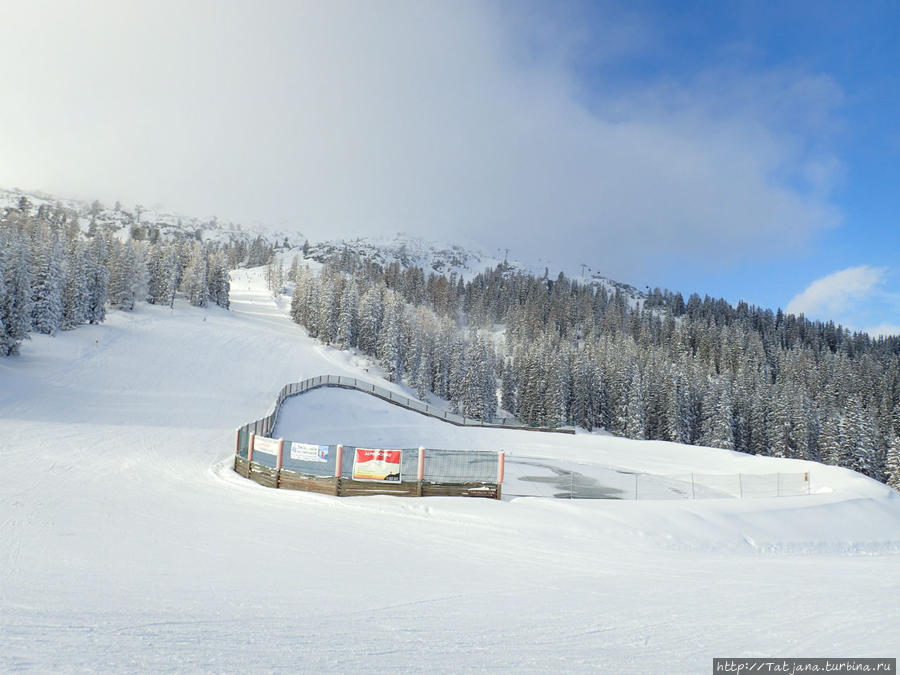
[(130, 546)]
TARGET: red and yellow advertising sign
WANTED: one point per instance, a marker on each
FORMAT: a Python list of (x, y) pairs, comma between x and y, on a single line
[(382, 465)]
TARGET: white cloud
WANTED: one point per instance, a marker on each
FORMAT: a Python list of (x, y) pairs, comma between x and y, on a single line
[(431, 117), (884, 330), (837, 294)]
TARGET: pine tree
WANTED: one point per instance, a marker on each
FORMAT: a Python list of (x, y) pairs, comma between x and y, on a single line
[(75, 293), (15, 312), (97, 276), (219, 285), (892, 464), (635, 412), (160, 267), (830, 439), (195, 283), (8, 345), (348, 318), (371, 312), (508, 386), (390, 352), (49, 280), (422, 374)]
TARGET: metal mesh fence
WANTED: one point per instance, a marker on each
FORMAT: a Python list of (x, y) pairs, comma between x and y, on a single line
[(451, 466), (536, 477)]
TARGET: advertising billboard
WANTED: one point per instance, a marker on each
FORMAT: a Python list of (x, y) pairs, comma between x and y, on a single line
[(377, 464)]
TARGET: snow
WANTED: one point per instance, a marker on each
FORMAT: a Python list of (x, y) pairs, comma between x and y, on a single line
[(130, 545)]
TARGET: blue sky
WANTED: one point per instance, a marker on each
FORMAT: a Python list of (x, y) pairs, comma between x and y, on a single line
[(745, 150), (854, 47)]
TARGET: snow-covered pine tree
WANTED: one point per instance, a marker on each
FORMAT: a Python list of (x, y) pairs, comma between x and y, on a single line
[(195, 282), (489, 382), (508, 387), (471, 392), (422, 379), (635, 412), (459, 368), (390, 348), (830, 439), (329, 304), (161, 271), (892, 464), (348, 316), (718, 430), (49, 280), (8, 345), (97, 277), (371, 313), (219, 285), (16, 310), (75, 292)]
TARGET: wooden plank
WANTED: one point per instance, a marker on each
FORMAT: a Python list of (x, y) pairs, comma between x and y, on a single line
[(488, 490), (242, 467), (263, 475), (352, 488), (345, 487), (297, 481)]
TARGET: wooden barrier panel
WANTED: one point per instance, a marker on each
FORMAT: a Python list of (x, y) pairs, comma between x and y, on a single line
[(263, 475), (242, 466), (290, 480), (486, 490), (346, 487)]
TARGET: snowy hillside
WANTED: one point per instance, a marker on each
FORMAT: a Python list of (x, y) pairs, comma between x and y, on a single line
[(136, 220), (130, 545), (465, 259)]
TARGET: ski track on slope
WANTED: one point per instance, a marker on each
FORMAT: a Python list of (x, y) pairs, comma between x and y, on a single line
[(131, 546)]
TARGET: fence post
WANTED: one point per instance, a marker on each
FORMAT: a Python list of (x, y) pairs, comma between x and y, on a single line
[(420, 475), (237, 442), (338, 469), (279, 461), (250, 448)]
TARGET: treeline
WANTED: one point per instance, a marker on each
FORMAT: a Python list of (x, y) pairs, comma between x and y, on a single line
[(699, 371), (54, 276), (409, 341)]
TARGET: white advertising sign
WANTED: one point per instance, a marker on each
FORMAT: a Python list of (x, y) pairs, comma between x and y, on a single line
[(267, 445), (305, 452), (372, 464)]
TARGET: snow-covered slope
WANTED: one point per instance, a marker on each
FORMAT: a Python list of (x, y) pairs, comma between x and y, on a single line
[(129, 544), (136, 220), (465, 259)]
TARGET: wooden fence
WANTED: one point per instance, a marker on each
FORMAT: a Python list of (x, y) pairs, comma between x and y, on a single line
[(278, 477), (347, 487)]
